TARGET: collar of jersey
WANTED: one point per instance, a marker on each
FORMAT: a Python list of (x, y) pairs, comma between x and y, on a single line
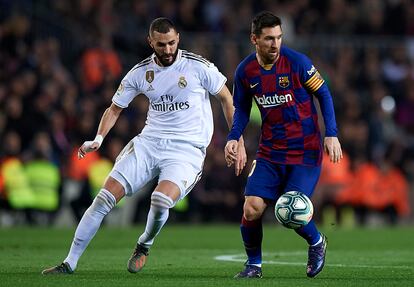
[(175, 62)]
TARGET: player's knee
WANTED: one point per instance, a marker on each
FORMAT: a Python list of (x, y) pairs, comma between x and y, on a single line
[(253, 208), (161, 201), (105, 201), (251, 211), (251, 215)]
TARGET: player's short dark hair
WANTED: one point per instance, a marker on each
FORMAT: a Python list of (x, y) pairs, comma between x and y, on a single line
[(161, 25), (264, 19)]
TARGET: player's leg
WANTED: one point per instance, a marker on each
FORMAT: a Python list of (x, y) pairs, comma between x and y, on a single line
[(262, 183), (162, 199), (251, 230), (304, 179), (128, 174), (180, 167), (111, 193)]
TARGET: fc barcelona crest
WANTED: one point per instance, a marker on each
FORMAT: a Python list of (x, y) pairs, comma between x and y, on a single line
[(284, 81), (149, 76)]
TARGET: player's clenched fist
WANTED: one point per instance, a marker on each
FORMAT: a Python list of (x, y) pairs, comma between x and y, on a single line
[(90, 146)]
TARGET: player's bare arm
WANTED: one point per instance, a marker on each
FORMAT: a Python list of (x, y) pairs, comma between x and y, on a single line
[(108, 120), (333, 148), (240, 156)]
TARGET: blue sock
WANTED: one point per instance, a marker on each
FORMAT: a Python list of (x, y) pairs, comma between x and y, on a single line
[(252, 234), (309, 232)]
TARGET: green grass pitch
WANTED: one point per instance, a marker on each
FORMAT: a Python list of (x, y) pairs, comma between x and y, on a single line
[(208, 255)]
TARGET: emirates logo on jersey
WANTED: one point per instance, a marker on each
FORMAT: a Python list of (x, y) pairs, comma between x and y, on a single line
[(166, 104), (170, 107)]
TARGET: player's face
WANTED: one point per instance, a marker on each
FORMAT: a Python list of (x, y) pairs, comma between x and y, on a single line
[(165, 46), (268, 44)]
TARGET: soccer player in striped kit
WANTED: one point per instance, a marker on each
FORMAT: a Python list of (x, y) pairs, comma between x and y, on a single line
[(283, 83)]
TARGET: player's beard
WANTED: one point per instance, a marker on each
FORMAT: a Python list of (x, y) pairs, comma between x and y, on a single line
[(271, 58), (163, 61)]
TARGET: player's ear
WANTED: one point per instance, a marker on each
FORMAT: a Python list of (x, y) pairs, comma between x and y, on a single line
[(253, 38), (149, 41), (178, 37)]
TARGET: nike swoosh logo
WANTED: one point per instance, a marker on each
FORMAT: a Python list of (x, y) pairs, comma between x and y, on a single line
[(254, 85)]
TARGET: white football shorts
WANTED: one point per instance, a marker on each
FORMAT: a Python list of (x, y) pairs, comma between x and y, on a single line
[(145, 158)]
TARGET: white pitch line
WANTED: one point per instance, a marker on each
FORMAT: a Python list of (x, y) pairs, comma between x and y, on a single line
[(241, 258)]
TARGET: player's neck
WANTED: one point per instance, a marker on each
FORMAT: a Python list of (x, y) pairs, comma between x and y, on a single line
[(266, 64), (158, 62)]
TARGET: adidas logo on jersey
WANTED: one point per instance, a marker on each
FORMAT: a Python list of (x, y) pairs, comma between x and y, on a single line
[(273, 101)]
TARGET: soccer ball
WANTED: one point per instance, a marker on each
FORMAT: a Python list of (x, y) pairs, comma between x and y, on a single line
[(293, 209)]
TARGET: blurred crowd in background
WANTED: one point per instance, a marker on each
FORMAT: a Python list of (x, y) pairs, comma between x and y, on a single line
[(62, 60)]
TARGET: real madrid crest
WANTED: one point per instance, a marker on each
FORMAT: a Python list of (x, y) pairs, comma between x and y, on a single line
[(149, 76), (284, 81), (182, 83)]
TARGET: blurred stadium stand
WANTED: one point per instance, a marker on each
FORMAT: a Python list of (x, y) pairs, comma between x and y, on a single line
[(62, 60)]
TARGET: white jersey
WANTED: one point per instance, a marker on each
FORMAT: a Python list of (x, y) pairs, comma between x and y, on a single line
[(179, 103)]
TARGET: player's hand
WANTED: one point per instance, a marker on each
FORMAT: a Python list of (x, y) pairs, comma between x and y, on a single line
[(230, 152), (333, 148), (241, 159), (90, 146)]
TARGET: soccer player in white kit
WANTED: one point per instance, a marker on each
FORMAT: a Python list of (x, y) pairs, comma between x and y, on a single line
[(172, 145)]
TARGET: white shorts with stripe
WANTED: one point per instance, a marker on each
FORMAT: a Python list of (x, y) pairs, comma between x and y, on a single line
[(145, 158)]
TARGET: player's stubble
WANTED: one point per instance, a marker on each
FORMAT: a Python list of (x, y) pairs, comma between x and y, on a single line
[(163, 58)]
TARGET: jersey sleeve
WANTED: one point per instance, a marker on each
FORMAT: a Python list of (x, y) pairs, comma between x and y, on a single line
[(212, 79), (242, 102), (315, 84), (126, 91), (309, 75)]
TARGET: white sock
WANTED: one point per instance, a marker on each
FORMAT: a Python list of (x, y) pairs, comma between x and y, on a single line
[(157, 216), (89, 225)]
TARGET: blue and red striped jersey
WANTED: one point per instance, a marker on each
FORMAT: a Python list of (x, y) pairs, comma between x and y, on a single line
[(284, 94)]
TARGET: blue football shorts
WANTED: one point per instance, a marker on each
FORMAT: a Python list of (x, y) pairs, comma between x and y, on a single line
[(270, 180)]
